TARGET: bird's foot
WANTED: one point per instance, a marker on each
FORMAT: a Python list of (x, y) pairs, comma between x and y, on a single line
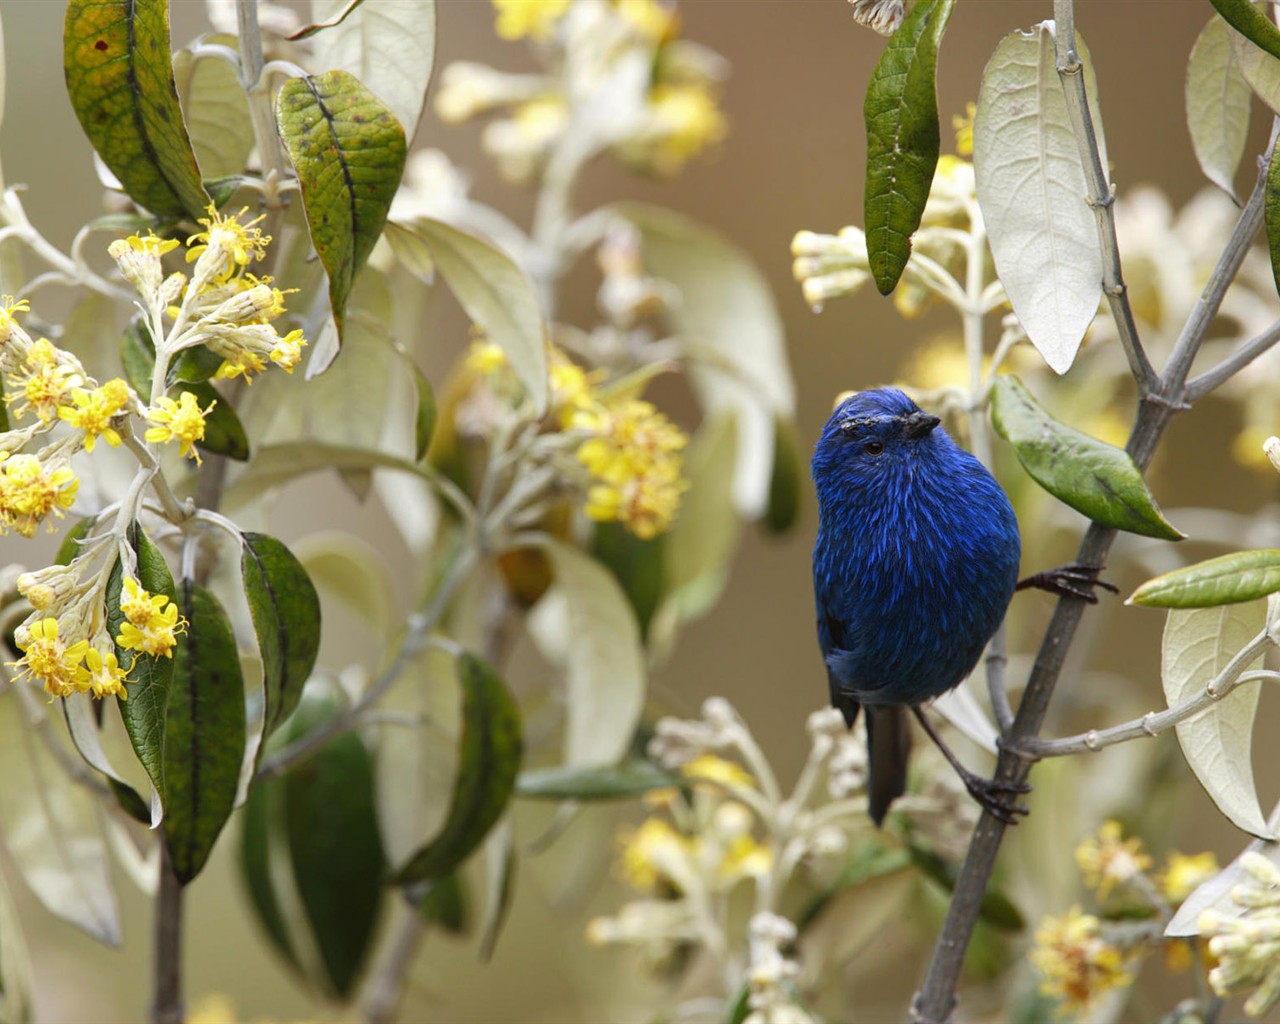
[(998, 797), (1074, 580)]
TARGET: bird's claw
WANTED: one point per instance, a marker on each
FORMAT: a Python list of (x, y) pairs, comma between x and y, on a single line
[(1074, 580), (998, 797)]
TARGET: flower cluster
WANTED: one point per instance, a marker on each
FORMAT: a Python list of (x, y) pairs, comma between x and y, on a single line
[(620, 56), (47, 385), (223, 307), (1076, 962), (1082, 957), (1247, 943), (630, 450), (58, 410), (733, 835)]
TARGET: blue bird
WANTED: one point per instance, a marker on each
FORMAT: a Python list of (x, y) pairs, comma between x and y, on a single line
[(914, 566)]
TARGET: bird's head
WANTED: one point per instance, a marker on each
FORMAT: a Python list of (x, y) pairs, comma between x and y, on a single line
[(874, 433)]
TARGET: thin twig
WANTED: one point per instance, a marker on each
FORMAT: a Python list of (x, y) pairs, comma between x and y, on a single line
[(1101, 197), (1155, 722), (1200, 386)]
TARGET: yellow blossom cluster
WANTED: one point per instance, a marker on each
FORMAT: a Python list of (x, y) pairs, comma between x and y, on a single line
[(630, 449), (1106, 860), (226, 308), (687, 851), (1077, 964), (68, 652), (670, 115), (45, 386)]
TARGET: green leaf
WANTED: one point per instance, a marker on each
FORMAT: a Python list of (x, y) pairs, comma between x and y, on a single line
[(1094, 478), (605, 782), (1228, 579), (349, 151), (138, 357), (149, 675), (901, 112), (70, 546), (285, 610), (120, 81), (498, 296), (787, 478), (1251, 23), (446, 903), (195, 364), (1271, 213), (1217, 98), (425, 418), (334, 847), (391, 48), (637, 564), (488, 759), (1031, 186), (1198, 643), (204, 732), (996, 908), (260, 821), (868, 862), (216, 109)]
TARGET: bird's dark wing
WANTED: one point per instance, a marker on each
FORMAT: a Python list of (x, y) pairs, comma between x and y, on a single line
[(888, 747), (831, 640)]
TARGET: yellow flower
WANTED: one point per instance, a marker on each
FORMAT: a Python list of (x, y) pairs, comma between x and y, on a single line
[(94, 410), (181, 421), (709, 768), (654, 21), (47, 657), (30, 491), (1075, 962), (152, 624), (286, 352), (105, 676), (245, 348), (44, 380), (485, 357), (225, 245), (8, 307), (685, 120), (653, 853), (962, 125), (1183, 874), (1107, 861), (533, 18)]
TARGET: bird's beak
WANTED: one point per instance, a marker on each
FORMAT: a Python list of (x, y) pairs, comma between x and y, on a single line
[(918, 424)]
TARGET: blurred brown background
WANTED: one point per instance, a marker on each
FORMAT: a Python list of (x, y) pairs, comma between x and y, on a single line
[(793, 160)]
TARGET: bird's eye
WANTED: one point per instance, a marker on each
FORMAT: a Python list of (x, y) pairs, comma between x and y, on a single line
[(873, 447)]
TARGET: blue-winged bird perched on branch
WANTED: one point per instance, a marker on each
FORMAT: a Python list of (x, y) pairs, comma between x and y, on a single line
[(915, 563)]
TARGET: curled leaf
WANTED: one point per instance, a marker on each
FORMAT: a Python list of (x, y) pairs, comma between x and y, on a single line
[(488, 759), (1095, 478), (1217, 106)]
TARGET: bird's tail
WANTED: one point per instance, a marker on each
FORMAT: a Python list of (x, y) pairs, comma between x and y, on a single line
[(888, 745)]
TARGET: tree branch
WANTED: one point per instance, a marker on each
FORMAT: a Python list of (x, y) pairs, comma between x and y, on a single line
[(1200, 386), (936, 999), (1155, 722), (1101, 198), (166, 1007)]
